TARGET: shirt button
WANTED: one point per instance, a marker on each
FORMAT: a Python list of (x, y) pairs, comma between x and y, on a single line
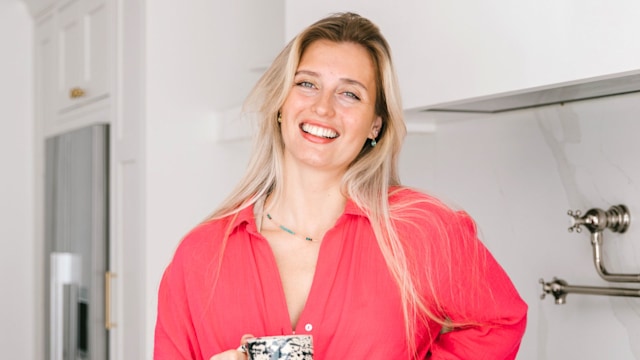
[(308, 327)]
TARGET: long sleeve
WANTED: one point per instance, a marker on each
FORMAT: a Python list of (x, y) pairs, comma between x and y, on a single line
[(475, 289), (175, 336)]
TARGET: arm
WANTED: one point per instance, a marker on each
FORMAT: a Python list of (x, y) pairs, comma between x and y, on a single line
[(187, 326), (478, 292), (174, 334)]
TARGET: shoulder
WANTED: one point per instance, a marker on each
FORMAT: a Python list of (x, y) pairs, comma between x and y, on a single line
[(399, 195), (412, 210), (196, 256), (406, 200), (202, 242)]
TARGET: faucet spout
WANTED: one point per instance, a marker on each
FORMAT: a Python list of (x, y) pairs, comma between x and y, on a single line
[(596, 243), (560, 288)]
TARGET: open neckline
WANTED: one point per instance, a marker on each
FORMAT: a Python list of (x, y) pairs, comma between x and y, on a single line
[(323, 275)]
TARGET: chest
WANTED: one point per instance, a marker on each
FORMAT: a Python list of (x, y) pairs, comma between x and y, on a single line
[(296, 261), (346, 300)]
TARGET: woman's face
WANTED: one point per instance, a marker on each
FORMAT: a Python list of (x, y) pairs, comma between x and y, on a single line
[(329, 112)]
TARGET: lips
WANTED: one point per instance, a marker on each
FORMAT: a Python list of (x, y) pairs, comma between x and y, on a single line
[(319, 131)]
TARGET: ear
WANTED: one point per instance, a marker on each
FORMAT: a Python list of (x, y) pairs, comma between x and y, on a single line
[(375, 128)]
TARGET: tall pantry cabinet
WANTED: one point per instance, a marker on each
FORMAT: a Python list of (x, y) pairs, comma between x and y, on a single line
[(79, 84), (160, 75)]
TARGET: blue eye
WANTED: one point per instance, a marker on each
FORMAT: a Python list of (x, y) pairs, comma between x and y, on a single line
[(351, 95), (305, 84)]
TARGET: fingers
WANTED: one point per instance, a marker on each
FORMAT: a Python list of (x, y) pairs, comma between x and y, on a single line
[(245, 337)]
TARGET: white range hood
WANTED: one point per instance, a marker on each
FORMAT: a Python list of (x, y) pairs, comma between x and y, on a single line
[(610, 85)]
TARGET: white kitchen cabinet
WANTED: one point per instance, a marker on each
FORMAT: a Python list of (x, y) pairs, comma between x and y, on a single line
[(83, 57), (73, 65), (448, 51)]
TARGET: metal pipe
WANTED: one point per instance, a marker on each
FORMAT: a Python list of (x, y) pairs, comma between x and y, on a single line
[(596, 242), (616, 219), (559, 289)]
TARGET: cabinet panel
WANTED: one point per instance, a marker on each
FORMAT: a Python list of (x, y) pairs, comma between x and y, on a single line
[(96, 56), (83, 49), (71, 49)]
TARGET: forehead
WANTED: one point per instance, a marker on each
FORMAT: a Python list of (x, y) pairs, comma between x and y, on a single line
[(342, 59)]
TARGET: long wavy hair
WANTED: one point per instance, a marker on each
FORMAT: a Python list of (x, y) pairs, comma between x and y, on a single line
[(372, 173)]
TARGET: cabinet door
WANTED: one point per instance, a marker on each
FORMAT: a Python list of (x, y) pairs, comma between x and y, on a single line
[(70, 56), (95, 18), (83, 53)]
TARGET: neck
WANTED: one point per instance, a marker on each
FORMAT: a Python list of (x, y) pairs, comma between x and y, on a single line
[(308, 205)]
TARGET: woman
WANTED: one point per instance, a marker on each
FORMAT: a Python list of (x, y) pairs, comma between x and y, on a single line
[(320, 238)]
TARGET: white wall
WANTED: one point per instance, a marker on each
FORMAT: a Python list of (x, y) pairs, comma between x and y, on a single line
[(517, 174), (200, 63), (16, 183)]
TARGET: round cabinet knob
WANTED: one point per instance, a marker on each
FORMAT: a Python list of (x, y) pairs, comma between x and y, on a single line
[(76, 93)]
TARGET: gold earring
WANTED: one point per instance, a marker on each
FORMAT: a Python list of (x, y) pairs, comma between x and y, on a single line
[(279, 118)]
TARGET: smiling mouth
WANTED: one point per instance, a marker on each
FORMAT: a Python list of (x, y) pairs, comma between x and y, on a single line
[(319, 131)]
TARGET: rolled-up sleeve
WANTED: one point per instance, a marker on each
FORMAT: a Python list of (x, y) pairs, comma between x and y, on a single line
[(475, 291)]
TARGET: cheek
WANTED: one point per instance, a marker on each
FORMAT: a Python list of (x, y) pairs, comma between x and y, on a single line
[(362, 125), (294, 102)]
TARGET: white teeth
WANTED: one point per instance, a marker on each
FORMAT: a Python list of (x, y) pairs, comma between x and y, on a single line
[(319, 131)]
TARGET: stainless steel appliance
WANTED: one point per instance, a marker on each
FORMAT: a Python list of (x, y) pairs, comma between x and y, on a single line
[(76, 243)]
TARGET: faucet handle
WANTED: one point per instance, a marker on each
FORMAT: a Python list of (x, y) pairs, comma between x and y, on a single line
[(544, 289), (616, 219), (577, 221), (555, 288)]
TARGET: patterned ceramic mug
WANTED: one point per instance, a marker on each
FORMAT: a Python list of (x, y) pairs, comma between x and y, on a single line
[(284, 347)]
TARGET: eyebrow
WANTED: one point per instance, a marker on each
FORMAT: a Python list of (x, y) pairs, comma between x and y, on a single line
[(347, 80)]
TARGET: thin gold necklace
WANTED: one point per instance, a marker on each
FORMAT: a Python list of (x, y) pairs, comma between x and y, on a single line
[(286, 229)]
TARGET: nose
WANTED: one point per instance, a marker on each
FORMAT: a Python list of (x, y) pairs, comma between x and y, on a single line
[(323, 106)]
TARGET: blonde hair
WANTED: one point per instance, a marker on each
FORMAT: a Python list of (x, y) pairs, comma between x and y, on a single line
[(369, 177)]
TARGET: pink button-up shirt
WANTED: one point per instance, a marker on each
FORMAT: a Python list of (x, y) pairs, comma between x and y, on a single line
[(353, 310)]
